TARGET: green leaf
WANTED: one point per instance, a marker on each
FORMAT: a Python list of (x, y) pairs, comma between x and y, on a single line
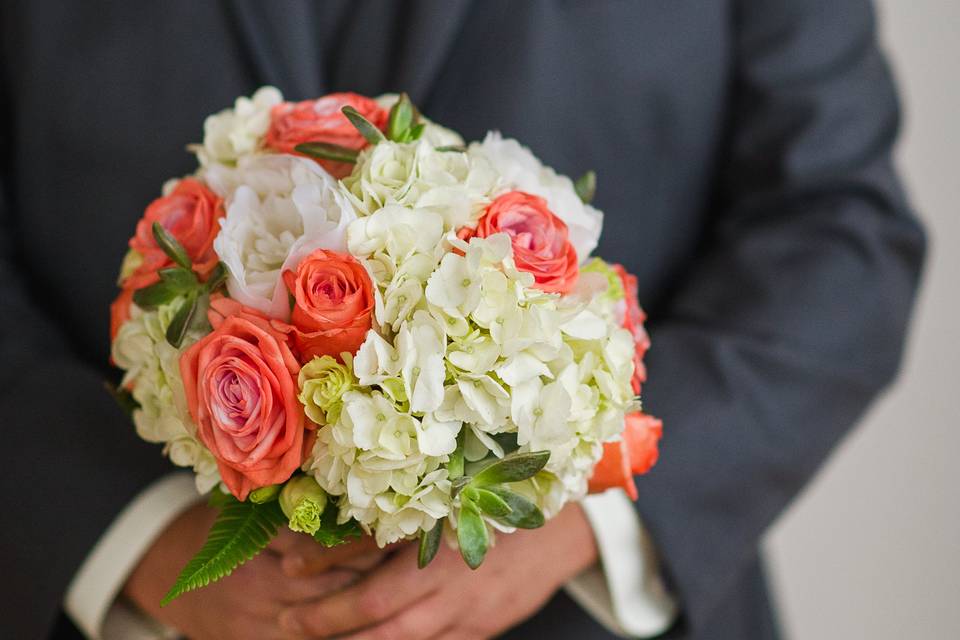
[(586, 187), (366, 128), (416, 131), (241, 531), (455, 464), (327, 151), (523, 513), (183, 280), (457, 484), (122, 397), (401, 118), (171, 246), (155, 295), (451, 148), (512, 468), (217, 277), (472, 536), (180, 324), (429, 544), (330, 534), (492, 504)]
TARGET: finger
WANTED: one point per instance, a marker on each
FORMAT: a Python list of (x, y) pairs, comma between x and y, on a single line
[(364, 562), (425, 619), (307, 556), (287, 540), (310, 588), (396, 584)]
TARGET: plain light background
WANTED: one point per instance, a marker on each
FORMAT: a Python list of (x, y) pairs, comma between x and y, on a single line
[(872, 548)]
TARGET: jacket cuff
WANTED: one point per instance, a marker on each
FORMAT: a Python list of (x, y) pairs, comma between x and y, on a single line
[(92, 593), (624, 591)]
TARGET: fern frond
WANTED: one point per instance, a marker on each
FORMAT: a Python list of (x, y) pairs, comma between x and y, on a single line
[(241, 531)]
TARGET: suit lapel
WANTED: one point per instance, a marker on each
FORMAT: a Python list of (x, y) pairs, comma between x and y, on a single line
[(373, 45)]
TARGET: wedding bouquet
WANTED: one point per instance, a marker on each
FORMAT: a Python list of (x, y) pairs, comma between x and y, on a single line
[(347, 321)]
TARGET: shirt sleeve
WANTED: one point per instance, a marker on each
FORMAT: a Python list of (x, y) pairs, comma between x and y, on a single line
[(92, 598), (624, 591)]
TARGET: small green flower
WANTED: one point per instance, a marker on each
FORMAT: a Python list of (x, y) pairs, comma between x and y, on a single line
[(303, 501), (614, 292), (323, 381)]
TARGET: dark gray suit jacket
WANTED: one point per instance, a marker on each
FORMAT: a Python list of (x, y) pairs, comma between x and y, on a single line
[(743, 154)]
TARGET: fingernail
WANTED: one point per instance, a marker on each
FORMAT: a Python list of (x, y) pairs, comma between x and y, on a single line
[(293, 565), (289, 622)]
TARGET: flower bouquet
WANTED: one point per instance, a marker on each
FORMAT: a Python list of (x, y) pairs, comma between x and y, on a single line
[(347, 321)]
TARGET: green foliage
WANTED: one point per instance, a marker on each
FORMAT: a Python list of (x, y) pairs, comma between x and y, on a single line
[(240, 532), (451, 148), (171, 246), (122, 397), (512, 468), (456, 462), (155, 295), (401, 118), (523, 514), (472, 535), (429, 544), (181, 322), (366, 128), (327, 151), (586, 187), (491, 503), (217, 277), (331, 534)]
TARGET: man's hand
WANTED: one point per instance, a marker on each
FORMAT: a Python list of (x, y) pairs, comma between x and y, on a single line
[(246, 604), (448, 600)]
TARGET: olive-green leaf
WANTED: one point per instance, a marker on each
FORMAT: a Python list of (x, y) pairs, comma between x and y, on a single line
[(154, 295), (456, 462), (217, 277), (523, 513), (331, 533), (327, 151), (472, 536), (401, 118), (586, 187), (180, 279), (416, 131), (171, 246), (177, 330), (451, 148), (366, 128), (492, 504), (429, 544), (512, 468)]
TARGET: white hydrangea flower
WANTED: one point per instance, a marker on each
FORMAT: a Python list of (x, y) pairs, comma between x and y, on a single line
[(421, 345), (455, 185), (152, 372), (521, 170), (280, 208), (236, 132)]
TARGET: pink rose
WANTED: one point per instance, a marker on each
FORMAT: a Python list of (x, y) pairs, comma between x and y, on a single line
[(541, 244), (633, 319), (635, 454), (241, 388), (321, 120), (332, 304)]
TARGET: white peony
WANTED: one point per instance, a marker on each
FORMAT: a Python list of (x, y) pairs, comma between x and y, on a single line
[(521, 170), (236, 132), (280, 208)]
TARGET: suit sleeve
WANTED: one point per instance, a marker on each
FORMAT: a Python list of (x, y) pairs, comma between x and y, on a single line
[(69, 460), (793, 316)]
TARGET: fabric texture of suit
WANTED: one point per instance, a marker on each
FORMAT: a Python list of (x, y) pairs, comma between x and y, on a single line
[(743, 154)]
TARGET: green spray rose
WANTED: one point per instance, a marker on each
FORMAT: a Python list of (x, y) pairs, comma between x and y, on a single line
[(323, 381), (303, 501)]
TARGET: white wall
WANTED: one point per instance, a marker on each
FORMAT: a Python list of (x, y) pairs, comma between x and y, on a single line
[(872, 549)]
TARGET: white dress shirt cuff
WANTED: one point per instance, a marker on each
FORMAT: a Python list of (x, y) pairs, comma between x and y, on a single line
[(92, 601), (624, 591)]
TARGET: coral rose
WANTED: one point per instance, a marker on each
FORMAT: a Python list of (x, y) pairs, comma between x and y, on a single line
[(633, 319), (241, 387), (633, 455), (541, 245), (321, 120), (191, 213), (333, 303)]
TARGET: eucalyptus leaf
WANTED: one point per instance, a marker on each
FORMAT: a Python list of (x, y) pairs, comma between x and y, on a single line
[(366, 128), (171, 246), (512, 468), (586, 187), (180, 324), (183, 280), (429, 544), (327, 151), (492, 504), (155, 295), (401, 118), (472, 536), (523, 513)]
